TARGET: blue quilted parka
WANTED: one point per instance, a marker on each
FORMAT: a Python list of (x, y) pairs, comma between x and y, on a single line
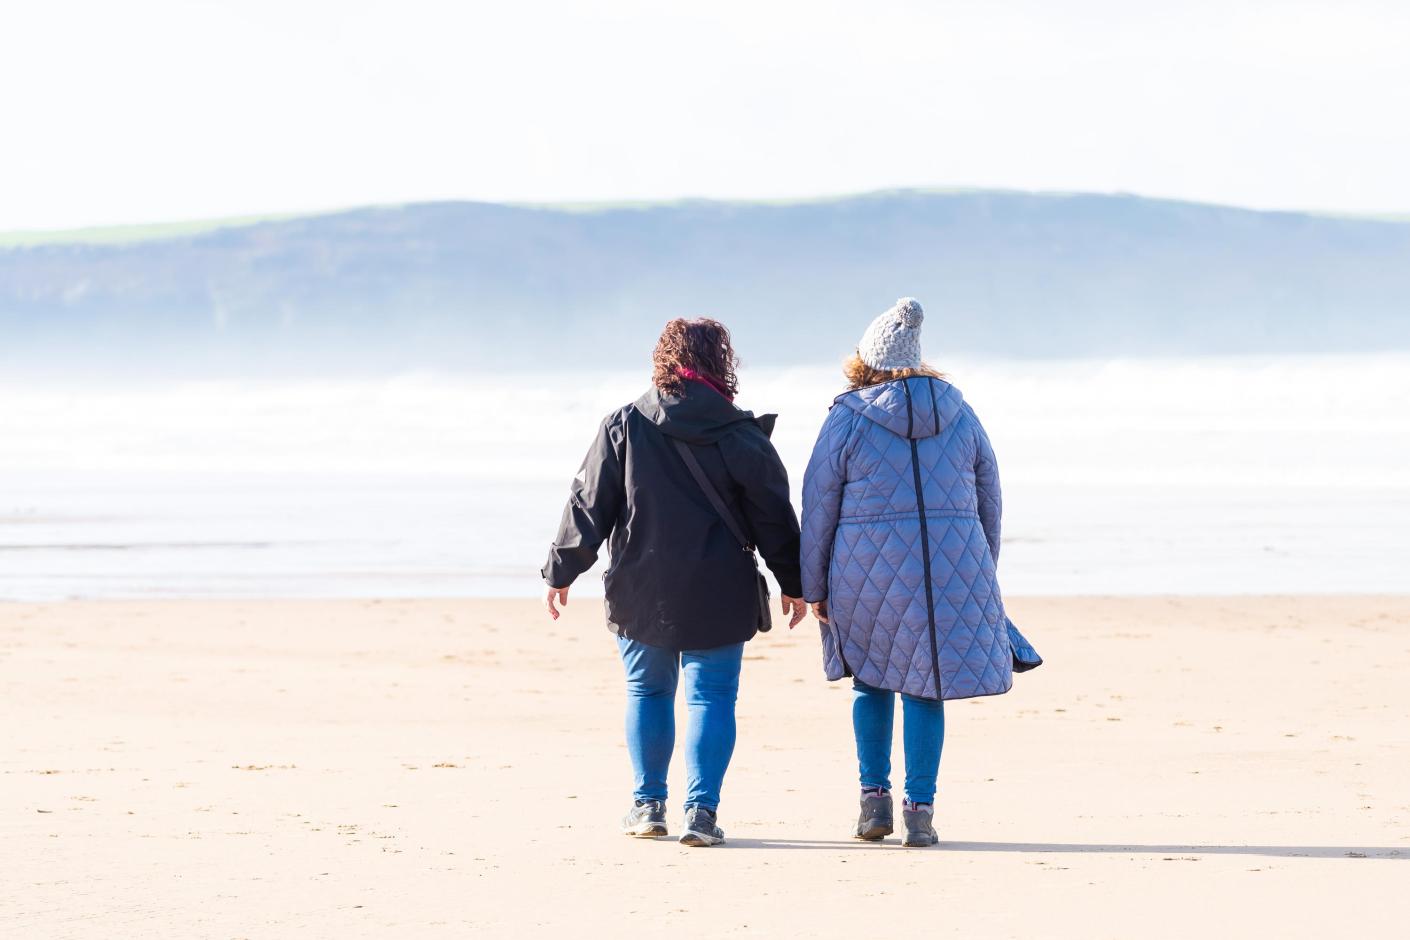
[(901, 511)]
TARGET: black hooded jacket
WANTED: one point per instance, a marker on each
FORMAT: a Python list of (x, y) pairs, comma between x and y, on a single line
[(678, 579)]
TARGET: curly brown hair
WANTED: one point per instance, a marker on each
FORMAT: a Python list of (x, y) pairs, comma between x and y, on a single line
[(701, 345), (860, 375)]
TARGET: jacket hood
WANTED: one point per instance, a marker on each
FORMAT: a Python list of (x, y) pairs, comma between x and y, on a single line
[(699, 416), (914, 408)]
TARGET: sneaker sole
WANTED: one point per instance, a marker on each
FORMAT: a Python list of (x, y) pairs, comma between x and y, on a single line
[(874, 832), (646, 831), (908, 843), (700, 840)]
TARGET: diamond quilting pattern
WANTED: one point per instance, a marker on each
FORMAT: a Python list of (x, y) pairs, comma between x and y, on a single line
[(862, 543)]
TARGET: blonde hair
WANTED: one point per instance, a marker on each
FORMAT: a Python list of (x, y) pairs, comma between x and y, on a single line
[(859, 375)]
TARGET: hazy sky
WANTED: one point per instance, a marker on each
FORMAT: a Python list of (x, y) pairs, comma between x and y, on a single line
[(144, 110)]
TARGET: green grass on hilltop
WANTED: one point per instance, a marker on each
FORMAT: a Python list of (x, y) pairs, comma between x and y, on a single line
[(123, 234), (131, 234), (630, 204)]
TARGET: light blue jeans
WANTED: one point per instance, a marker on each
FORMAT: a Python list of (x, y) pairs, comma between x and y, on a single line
[(711, 685), (873, 714)]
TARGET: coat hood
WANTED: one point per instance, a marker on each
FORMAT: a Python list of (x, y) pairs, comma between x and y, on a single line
[(700, 416), (914, 408)]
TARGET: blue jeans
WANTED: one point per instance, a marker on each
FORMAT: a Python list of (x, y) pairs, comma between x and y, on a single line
[(873, 714), (711, 685)]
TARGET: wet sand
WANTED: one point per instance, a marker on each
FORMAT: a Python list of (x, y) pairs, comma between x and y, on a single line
[(1179, 767)]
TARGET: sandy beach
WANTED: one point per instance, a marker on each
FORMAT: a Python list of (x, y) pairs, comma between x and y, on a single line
[(1179, 767)]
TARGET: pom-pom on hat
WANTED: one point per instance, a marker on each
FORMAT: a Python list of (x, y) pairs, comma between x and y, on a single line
[(892, 341)]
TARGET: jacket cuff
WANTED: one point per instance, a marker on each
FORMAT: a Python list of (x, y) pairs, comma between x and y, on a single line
[(792, 587), (553, 578)]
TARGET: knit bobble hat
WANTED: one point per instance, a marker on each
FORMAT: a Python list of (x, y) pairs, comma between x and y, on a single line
[(892, 341)]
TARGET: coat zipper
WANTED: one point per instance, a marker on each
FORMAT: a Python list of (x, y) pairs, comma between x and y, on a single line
[(837, 638), (836, 634), (924, 540)]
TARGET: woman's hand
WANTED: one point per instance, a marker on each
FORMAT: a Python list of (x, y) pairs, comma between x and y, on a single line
[(796, 605), (820, 611), (555, 594)]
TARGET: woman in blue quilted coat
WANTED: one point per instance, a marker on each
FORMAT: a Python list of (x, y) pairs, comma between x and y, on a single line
[(901, 513)]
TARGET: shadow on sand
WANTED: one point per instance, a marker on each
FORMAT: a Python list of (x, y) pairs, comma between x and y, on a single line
[(1096, 848)]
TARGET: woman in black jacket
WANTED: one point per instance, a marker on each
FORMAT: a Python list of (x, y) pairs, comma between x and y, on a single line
[(683, 593)]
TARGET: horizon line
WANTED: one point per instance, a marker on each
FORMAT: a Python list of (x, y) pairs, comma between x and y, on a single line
[(159, 230)]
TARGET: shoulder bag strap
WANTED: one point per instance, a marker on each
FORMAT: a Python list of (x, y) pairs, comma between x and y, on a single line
[(697, 471)]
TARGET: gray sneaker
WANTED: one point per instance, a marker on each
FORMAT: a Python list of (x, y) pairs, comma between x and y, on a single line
[(700, 828), (877, 820), (920, 828), (647, 820)]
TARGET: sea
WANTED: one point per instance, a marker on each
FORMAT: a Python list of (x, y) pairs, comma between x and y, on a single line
[(1213, 475)]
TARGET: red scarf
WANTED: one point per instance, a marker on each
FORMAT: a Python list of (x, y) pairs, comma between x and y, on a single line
[(686, 373)]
